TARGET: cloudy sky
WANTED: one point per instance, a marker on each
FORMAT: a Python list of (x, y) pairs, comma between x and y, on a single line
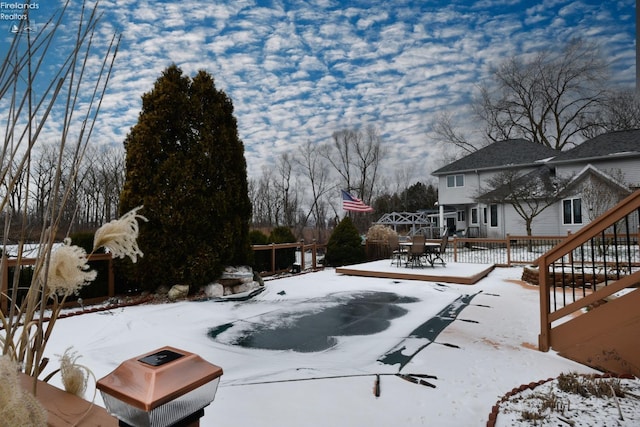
[(298, 71)]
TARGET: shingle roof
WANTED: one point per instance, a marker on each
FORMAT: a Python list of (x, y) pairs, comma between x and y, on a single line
[(512, 152), (612, 143), (541, 174)]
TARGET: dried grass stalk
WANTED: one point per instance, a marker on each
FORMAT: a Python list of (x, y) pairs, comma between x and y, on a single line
[(74, 376)]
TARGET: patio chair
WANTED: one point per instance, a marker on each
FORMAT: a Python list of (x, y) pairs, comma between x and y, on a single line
[(416, 251), (395, 250), (434, 253)]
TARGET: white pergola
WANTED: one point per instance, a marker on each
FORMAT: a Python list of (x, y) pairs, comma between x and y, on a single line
[(417, 221)]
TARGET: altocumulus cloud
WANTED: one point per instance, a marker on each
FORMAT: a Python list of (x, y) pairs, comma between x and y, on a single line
[(298, 71)]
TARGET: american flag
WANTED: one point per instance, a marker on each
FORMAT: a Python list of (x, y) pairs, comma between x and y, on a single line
[(350, 203)]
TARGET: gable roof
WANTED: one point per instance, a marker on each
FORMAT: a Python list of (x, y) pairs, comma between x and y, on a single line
[(625, 143), (613, 183), (500, 154)]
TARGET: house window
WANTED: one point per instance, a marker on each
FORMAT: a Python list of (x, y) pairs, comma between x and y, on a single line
[(572, 211), (484, 215), (455, 181), (474, 215), (460, 216), (493, 215)]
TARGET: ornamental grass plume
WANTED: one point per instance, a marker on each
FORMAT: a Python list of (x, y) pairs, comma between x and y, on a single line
[(74, 376), (17, 407), (380, 232), (120, 236), (68, 270)]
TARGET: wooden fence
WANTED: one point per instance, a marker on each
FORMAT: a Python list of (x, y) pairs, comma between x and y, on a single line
[(302, 248), (309, 255), (105, 277)]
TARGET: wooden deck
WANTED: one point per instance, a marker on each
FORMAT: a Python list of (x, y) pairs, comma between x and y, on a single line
[(66, 409), (464, 274)]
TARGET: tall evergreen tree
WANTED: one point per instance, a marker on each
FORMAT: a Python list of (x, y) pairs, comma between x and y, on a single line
[(185, 163)]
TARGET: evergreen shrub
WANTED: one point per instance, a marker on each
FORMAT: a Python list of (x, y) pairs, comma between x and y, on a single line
[(345, 245)]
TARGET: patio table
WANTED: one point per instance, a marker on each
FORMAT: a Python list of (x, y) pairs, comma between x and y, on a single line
[(427, 253)]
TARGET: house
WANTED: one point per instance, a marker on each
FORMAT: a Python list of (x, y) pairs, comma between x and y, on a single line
[(601, 171)]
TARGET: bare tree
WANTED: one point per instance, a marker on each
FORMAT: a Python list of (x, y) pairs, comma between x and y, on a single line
[(551, 98), (598, 195), (287, 195), (543, 99), (619, 111), (313, 168), (266, 204), (356, 157), (102, 179), (444, 130), (529, 194), (113, 173), (42, 176)]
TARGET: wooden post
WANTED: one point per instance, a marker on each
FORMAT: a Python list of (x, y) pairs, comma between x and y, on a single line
[(314, 250), (544, 339), (508, 250), (273, 257), (111, 279), (455, 249), (302, 266)]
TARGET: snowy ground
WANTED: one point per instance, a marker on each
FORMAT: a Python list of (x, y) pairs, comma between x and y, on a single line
[(486, 351)]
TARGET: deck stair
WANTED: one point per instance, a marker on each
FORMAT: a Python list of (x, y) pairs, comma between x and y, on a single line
[(589, 297)]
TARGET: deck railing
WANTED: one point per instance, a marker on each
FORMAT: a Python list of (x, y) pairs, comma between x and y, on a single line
[(512, 250), (308, 255), (598, 261)]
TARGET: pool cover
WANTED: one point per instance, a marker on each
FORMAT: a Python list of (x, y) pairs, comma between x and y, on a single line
[(315, 327)]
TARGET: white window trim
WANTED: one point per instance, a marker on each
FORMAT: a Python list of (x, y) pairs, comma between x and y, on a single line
[(571, 200), (497, 216), (477, 216), (455, 181)]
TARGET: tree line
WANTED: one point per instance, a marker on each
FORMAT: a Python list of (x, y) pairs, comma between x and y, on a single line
[(91, 189), (302, 191)]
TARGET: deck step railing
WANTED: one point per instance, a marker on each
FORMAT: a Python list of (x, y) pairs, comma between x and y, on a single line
[(590, 266)]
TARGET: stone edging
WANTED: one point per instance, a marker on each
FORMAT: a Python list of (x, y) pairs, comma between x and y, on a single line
[(136, 301), (495, 409)]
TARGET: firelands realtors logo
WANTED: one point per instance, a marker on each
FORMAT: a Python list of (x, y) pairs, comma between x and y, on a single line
[(17, 12)]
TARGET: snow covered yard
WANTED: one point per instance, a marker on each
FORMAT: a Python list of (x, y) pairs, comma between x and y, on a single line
[(486, 350)]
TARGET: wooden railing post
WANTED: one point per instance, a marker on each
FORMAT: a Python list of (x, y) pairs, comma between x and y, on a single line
[(273, 257), (455, 249), (314, 254), (508, 250), (302, 266), (111, 279), (545, 305)]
